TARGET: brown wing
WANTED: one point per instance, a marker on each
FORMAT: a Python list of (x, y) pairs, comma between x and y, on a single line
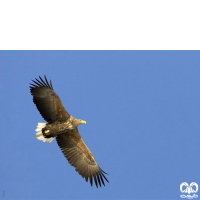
[(80, 157), (47, 101)]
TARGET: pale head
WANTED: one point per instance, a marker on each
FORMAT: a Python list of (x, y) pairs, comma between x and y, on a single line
[(77, 122)]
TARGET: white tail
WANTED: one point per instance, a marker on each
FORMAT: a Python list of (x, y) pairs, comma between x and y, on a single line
[(39, 134)]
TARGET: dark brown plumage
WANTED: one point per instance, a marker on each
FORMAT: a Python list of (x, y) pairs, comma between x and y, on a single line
[(64, 127)]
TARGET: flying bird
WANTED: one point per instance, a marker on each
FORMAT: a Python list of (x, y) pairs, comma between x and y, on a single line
[(64, 127)]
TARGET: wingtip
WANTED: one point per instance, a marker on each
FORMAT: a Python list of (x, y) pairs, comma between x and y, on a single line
[(42, 82), (103, 171)]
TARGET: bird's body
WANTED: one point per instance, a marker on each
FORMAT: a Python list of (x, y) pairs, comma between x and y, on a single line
[(57, 128), (64, 127)]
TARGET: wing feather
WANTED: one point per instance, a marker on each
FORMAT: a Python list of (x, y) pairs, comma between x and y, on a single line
[(95, 180), (47, 82), (98, 179), (47, 101), (101, 179), (51, 85), (43, 82), (37, 84), (91, 183), (80, 157)]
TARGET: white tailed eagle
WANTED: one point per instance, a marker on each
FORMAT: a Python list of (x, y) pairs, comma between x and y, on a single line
[(64, 127)]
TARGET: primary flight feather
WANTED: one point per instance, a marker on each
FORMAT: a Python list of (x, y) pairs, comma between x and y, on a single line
[(62, 126)]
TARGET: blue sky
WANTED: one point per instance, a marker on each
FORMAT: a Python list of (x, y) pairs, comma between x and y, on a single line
[(142, 110)]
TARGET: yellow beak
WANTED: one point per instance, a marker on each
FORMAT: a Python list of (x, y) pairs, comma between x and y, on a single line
[(83, 122)]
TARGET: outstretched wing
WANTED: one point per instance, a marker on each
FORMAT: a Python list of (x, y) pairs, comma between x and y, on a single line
[(47, 101), (80, 157)]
